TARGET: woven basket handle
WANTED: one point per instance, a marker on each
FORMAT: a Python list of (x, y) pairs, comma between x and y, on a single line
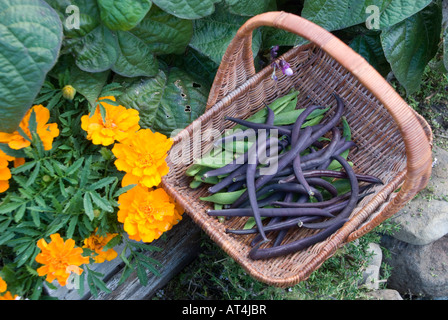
[(238, 59)]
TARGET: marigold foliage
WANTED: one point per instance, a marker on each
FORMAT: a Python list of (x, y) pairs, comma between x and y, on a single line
[(59, 259), (147, 213), (118, 125)]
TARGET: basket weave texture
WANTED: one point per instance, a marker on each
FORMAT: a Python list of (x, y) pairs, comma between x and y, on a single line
[(394, 141)]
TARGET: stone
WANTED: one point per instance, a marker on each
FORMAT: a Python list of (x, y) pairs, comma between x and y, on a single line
[(385, 294), (425, 218), (371, 275), (418, 270)]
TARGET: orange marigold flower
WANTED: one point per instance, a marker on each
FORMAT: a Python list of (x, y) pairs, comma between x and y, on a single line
[(96, 243), (59, 258), (3, 285), (9, 296), (142, 157), (120, 123), (18, 162), (46, 131), (147, 213), (5, 172)]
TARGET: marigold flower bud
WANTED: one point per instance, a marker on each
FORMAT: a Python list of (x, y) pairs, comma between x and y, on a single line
[(68, 92)]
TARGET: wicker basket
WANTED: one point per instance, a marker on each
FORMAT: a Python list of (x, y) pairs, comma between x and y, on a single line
[(394, 141)]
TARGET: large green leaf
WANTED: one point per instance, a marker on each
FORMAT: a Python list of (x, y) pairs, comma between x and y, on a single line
[(134, 57), (411, 44), (164, 33), (398, 10), (213, 34), (30, 40), (248, 7), (369, 46), (187, 9), (97, 51), (131, 53), (279, 37), (170, 100), (123, 14), (338, 14), (195, 63), (87, 83)]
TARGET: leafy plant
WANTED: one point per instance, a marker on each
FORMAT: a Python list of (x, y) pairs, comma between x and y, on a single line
[(404, 40)]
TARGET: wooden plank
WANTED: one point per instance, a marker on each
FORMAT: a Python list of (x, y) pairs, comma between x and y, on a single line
[(180, 246)]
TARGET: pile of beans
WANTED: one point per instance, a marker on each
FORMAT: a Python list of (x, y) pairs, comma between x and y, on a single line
[(313, 185)]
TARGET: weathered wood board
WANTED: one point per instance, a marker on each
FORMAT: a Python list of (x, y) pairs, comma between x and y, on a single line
[(180, 246)]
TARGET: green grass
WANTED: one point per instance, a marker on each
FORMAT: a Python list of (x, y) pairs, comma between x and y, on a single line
[(214, 275)]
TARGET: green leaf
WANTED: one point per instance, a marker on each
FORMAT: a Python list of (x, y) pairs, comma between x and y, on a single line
[(74, 167), (112, 243), (125, 259), (33, 175), (135, 57), (12, 152), (24, 167), (96, 51), (26, 255), (36, 218), (131, 53), (20, 213), (101, 202), (196, 64), (247, 7), (141, 274), (164, 33), (71, 226), (170, 100), (9, 207), (30, 40), (91, 284), (187, 9), (279, 37), (339, 14), (398, 10), (5, 236), (411, 44), (213, 34), (102, 183), (88, 84), (123, 14), (88, 208), (369, 46), (123, 190)]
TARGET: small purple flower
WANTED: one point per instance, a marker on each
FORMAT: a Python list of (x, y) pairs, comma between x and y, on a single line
[(286, 68), (282, 64), (274, 50)]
